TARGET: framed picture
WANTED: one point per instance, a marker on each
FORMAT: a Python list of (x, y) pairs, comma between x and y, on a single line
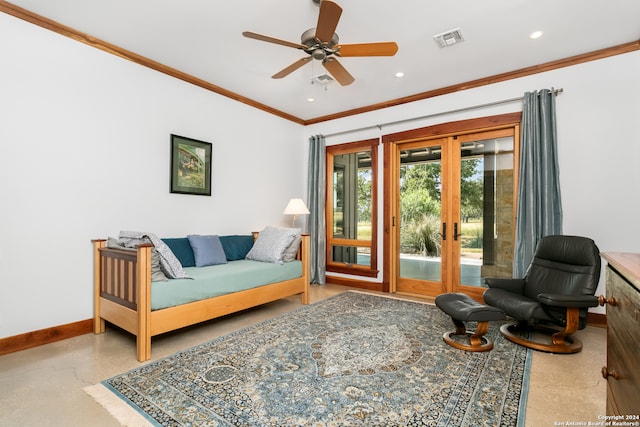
[(190, 166)]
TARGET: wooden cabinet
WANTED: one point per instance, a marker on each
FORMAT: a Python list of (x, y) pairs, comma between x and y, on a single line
[(623, 333)]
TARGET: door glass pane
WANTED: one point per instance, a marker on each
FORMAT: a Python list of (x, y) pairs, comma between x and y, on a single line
[(338, 200), (420, 212), (486, 210), (351, 208), (352, 196)]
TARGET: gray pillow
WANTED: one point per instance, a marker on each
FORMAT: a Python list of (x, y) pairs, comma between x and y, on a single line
[(292, 251), (271, 244)]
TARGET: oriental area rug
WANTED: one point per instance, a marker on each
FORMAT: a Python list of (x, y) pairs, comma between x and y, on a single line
[(354, 359)]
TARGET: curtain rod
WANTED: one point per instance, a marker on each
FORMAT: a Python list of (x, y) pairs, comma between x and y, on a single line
[(428, 116)]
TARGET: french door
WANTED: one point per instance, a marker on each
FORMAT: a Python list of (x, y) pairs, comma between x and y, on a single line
[(453, 214)]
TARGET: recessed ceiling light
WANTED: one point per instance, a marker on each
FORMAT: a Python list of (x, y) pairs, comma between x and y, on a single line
[(536, 34), (310, 99), (399, 74)]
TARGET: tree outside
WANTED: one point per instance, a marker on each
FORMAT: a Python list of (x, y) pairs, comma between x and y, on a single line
[(420, 206)]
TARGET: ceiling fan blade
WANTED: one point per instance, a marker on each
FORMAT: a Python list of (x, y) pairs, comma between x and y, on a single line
[(291, 68), (268, 39), (327, 20), (367, 49), (338, 71)]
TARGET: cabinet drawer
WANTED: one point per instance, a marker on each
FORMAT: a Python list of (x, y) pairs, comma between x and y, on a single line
[(623, 343)]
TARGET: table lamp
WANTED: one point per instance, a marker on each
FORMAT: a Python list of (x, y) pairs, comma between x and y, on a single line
[(296, 207)]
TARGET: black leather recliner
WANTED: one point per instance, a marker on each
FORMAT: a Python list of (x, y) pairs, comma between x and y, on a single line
[(557, 290)]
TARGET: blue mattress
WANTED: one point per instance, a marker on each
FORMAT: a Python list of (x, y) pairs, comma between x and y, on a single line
[(219, 280)]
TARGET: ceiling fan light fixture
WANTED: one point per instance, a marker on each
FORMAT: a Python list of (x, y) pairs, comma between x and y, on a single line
[(319, 54)]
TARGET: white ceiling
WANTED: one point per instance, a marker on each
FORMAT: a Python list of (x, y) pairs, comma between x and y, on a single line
[(203, 38)]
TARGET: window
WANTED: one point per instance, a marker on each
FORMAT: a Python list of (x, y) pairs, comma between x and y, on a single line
[(351, 208)]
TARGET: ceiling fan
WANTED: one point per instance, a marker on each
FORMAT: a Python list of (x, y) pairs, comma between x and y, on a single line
[(321, 43)]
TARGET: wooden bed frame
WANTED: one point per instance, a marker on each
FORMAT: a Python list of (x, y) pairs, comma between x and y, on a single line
[(122, 295)]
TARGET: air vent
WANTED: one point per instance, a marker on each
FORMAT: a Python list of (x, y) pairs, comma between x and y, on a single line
[(449, 38), (322, 79)]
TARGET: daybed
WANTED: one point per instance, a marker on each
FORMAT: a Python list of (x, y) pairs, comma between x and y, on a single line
[(123, 292)]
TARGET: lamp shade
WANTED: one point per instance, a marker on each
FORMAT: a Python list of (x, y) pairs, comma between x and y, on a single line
[(296, 207)]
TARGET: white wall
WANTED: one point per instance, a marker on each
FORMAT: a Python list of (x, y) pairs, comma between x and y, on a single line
[(85, 153), (599, 144)]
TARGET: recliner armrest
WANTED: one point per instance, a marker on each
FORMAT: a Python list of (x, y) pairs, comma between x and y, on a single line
[(515, 286), (557, 300)]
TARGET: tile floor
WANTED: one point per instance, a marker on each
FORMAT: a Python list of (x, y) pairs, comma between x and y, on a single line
[(43, 386)]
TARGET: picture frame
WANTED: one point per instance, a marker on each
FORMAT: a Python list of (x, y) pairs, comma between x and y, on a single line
[(190, 166)]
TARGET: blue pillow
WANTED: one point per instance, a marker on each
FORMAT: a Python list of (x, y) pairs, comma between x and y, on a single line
[(181, 248), (207, 250), (236, 247)]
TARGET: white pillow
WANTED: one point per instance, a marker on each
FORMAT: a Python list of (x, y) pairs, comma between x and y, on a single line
[(271, 244)]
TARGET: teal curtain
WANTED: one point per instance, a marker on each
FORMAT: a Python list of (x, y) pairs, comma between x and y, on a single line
[(316, 224), (539, 203)]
